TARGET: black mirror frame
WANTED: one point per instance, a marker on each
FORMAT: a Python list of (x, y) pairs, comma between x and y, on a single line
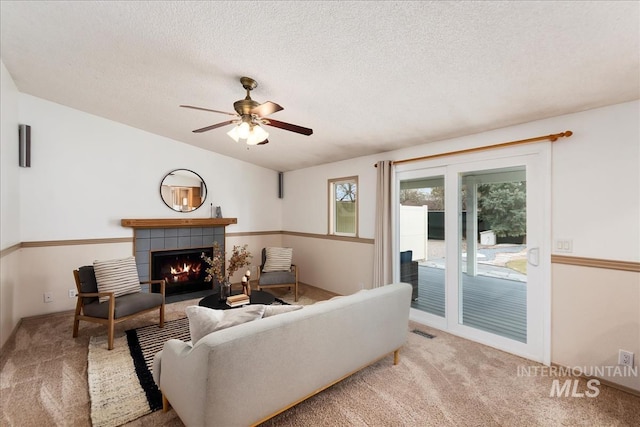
[(203, 186)]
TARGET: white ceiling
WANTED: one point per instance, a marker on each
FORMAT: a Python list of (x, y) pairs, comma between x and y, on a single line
[(368, 77)]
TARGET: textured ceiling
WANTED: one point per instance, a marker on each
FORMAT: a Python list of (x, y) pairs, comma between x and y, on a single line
[(368, 77)]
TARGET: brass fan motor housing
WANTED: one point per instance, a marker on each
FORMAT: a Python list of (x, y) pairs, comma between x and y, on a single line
[(244, 106)]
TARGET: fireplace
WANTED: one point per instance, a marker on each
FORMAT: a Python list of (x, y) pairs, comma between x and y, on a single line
[(182, 269)]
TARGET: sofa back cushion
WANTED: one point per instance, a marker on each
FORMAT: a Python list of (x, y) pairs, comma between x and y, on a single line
[(204, 320)]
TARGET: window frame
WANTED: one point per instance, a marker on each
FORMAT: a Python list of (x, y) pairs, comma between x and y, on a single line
[(332, 183)]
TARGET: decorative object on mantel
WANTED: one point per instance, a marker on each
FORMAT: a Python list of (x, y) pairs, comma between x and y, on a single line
[(177, 222), (240, 257), (218, 212)]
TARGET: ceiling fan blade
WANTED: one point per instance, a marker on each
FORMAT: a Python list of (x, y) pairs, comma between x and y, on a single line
[(266, 109), (288, 126), (266, 141), (204, 129), (207, 109)]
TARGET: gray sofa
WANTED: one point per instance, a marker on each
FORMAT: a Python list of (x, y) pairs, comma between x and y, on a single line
[(249, 373)]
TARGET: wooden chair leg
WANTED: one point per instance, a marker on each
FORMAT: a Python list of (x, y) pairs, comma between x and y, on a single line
[(161, 316), (76, 321), (76, 326), (111, 326)]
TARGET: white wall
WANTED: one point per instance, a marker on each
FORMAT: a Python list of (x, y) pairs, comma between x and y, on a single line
[(595, 202), (87, 173), (9, 169), (9, 203)]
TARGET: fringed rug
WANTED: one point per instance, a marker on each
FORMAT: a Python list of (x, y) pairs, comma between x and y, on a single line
[(121, 385)]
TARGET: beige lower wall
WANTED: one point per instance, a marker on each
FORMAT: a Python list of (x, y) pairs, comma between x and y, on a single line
[(9, 293), (342, 267), (595, 312)]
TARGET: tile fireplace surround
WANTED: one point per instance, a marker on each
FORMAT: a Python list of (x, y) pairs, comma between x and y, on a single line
[(152, 235)]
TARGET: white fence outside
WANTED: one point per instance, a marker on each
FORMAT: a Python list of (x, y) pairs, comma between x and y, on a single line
[(414, 231)]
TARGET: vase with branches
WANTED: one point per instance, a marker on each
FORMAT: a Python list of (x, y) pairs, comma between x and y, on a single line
[(240, 257)]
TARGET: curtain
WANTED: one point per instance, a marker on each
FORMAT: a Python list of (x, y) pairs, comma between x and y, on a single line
[(382, 262)]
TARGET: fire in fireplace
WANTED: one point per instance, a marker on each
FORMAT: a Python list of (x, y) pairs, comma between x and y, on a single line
[(182, 269)]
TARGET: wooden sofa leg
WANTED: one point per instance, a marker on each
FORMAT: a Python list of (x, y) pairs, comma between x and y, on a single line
[(396, 357), (165, 404)]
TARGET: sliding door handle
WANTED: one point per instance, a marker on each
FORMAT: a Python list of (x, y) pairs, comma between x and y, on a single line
[(533, 256)]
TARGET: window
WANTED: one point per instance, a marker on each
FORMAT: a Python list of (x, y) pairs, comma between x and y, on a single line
[(343, 206)]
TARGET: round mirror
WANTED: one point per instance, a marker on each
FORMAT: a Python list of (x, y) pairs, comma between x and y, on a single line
[(183, 190)]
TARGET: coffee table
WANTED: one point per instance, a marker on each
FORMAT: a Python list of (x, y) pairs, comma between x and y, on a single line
[(256, 297)]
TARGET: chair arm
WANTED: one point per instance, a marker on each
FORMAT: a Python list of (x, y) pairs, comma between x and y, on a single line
[(111, 300), (95, 294), (161, 282)]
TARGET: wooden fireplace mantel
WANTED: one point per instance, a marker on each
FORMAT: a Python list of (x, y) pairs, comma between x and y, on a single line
[(178, 222)]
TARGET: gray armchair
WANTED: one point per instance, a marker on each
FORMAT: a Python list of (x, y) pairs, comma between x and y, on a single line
[(277, 279), (116, 309)]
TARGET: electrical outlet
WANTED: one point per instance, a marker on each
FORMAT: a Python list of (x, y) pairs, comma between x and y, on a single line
[(47, 297), (625, 358), (72, 293)]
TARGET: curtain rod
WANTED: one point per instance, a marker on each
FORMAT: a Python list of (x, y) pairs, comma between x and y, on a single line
[(553, 137)]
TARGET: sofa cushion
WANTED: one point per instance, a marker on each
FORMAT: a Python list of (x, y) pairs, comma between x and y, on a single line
[(119, 276), (272, 310), (203, 320), (278, 259), (125, 305), (277, 278)]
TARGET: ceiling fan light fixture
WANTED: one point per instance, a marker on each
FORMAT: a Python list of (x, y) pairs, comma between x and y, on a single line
[(233, 134), (244, 130), (257, 135)]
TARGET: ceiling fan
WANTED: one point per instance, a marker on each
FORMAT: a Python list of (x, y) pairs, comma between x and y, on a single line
[(250, 115)]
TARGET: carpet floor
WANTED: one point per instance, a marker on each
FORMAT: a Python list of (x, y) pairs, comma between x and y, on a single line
[(444, 381)]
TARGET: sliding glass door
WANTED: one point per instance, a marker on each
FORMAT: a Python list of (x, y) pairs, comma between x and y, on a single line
[(422, 240), (472, 237)]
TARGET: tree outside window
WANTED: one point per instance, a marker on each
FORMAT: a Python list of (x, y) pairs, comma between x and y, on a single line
[(343, 206)]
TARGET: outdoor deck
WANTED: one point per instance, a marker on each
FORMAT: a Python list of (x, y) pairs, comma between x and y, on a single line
[(491, 304)]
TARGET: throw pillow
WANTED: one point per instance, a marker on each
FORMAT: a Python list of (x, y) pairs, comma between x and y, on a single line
[(272, 310), (203, 320), (278, 259), (119, 276)]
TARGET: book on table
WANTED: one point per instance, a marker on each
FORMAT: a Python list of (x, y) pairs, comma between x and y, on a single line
[(237, 300)]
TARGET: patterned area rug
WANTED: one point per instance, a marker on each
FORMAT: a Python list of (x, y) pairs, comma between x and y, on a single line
[(121, 385)]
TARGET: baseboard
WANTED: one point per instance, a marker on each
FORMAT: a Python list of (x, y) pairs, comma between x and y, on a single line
[(608, 383), (11, 336)]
